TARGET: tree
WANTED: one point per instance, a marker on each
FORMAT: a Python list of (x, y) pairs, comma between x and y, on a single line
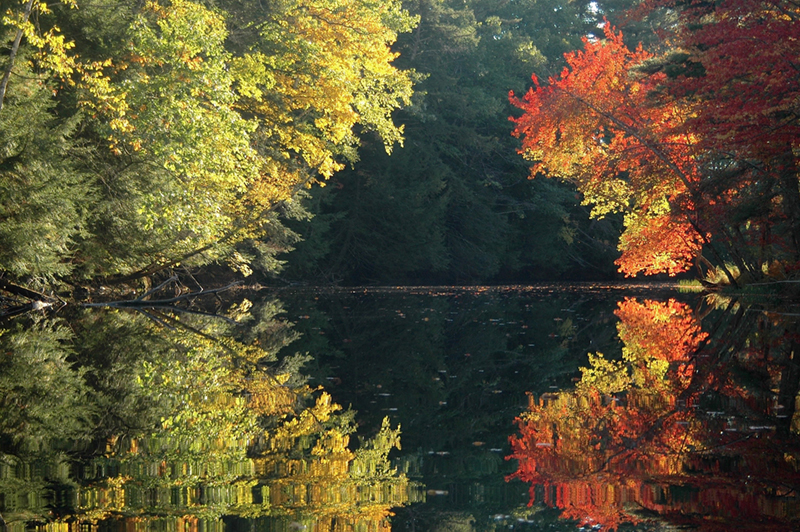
[(747, 126), (44, 193), (194, 139), (670, 140), (593, 126)]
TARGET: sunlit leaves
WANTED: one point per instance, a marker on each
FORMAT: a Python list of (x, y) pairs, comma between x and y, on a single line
[(178, 116), (598, 126), (657, 244), (318, 69), (707, 127), (196, 138), (53, 47)]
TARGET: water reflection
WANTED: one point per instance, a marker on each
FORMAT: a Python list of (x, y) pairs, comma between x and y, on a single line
[(682, 414), (118, 421), (695, 423), (452, 366)]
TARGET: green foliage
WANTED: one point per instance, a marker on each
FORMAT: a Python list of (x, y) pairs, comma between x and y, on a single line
[(44, 195), (199, 124), (178, 92), (183, 422), (172, 133), (44, 396)]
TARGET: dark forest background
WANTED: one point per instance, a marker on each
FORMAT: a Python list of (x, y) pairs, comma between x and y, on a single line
[(454, 204)]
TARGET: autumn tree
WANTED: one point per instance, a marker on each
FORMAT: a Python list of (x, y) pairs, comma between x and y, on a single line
[(683, 141), (198, 125), (453, 204), (594, 126), (745, 127)]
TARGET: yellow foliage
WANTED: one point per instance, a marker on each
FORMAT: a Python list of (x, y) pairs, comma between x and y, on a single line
[(607, 376), (332, 70), (221, 138)]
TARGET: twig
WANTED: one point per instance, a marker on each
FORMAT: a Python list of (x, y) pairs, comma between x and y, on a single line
[(771, 312), (155, 319), (157, 288), (159, 303)]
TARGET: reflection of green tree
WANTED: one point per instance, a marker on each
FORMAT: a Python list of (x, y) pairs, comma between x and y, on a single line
[(44, 401), (42, 396), (194, 424)]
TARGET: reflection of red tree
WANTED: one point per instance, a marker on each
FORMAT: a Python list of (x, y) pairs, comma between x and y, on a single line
[(664, 330), (631, 437)]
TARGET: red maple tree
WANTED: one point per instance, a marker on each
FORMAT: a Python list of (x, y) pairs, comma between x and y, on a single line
[(695, 145)]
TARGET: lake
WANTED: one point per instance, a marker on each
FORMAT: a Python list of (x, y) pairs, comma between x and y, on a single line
[(558, 407)]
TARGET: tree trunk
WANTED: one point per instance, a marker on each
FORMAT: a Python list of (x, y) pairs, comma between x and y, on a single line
[(13, 56)]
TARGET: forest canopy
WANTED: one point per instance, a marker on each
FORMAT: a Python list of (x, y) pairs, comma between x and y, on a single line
[(140, 137), (137, 136)]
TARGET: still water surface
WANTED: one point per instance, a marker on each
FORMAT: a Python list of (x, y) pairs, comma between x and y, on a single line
[(432, 409)]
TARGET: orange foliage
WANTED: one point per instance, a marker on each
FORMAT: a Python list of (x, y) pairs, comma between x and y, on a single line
[(696, 143), (664, 330), (598, 454), (599, 126), (658, 244)]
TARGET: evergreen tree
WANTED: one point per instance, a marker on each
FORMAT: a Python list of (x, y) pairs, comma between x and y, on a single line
[(44, 196)]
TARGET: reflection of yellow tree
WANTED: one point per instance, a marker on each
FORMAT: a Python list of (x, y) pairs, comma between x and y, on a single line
[(235, 439), (631, 435), (242, 441)]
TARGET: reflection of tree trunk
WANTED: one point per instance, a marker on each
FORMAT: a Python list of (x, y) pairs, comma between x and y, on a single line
[(790, 386), (142, 304), (17, 290), (37, 301)]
